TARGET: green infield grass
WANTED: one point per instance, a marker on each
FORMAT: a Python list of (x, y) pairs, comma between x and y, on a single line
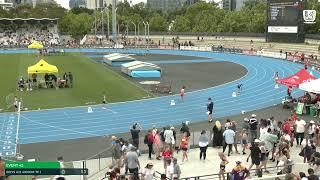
[(91, 80)]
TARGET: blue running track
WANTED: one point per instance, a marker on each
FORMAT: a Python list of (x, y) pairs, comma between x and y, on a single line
[(71, 123)]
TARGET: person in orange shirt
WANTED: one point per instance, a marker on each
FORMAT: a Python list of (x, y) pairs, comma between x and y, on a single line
[(184, 146)]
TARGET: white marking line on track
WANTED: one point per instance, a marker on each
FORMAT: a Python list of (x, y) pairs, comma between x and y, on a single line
[(66, 114), (60, 128), (264, 70), (114, 112), (139, 100)]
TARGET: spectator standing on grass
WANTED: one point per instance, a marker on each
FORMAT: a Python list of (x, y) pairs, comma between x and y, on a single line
[(228, 136), (203, 144), (253, 125), (132, 161), (210, 109), (135, 129), (70, 79), (300, 129)]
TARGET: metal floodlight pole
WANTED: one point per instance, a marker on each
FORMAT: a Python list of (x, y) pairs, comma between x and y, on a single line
[(148, 34), (114, 20), (102, 22), (145, 32), (118, 28), (108, 23), (135, 32), (95, 17), (127, 30), (138, 30)]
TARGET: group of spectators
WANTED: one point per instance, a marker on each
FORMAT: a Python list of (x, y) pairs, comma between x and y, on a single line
[(264, 141), (275, 140), (23, 35), (162, 145), (50, 81)]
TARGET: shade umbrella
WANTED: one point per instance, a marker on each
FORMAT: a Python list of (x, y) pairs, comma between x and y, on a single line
[(35, 45), (296, 79)]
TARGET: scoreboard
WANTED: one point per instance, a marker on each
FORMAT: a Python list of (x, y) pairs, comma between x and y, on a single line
[(21, 168), (285, 21)]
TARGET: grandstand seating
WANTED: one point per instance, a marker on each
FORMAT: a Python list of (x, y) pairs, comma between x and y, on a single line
[(21, 32)]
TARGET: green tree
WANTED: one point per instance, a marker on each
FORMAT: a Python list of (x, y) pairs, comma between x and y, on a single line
[(158, 23), (181, 24), (79, 10), (77, 25)]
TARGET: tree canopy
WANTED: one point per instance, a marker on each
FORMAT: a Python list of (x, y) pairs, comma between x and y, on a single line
[(198, 17)]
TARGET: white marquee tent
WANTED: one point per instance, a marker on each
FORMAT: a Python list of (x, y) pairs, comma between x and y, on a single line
[(311, 86)]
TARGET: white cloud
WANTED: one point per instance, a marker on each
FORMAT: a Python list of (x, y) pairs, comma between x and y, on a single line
[(63, 3)]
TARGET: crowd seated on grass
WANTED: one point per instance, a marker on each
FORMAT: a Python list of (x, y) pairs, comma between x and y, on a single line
[(48, 81)]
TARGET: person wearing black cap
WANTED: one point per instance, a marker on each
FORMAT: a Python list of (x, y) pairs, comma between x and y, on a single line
[(255, 155), (209, 109)]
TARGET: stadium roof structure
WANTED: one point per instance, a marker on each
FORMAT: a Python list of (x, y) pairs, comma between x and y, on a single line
[(29, 20)]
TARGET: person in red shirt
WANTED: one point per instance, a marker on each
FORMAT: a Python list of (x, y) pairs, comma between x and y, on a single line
[(184, 146), (286, 127), (150, 138), (166, 154)]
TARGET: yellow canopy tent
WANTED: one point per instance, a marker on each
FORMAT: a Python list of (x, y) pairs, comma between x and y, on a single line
[(35, 45), (42, 67)]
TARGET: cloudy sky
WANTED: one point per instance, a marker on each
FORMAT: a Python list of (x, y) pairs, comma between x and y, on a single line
[(65, 3)]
